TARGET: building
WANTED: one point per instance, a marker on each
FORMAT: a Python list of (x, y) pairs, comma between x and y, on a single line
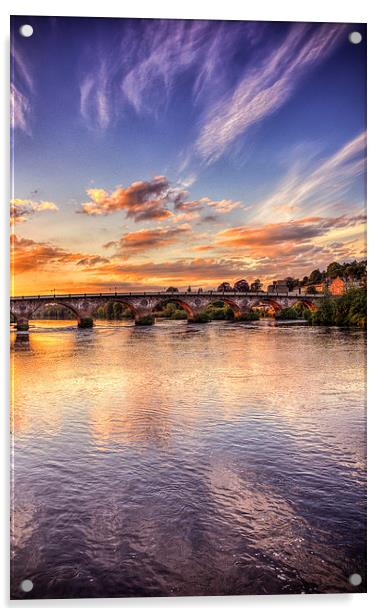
[(278, 286), (337, 286), (320, 287)]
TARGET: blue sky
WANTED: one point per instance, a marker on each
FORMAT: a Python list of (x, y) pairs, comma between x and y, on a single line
[(151, 152)]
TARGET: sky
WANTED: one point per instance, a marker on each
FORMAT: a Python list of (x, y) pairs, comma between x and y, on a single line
[(156, 153)]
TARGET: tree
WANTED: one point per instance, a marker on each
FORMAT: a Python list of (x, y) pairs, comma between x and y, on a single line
[(335, 270), (355, 270), (256, 285), (242, 286), (292, 283), (315, 277), (172, 290), (311, 289), (224, 286)]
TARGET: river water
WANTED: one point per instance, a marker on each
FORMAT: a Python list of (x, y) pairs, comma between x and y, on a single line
[(187, 459)]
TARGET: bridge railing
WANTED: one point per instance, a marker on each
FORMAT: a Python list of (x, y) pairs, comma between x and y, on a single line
[(208, 293)]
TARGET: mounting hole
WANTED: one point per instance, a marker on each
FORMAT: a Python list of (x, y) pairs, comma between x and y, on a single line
[(355, 38), (26, 30), (26, 585), (355, 579)]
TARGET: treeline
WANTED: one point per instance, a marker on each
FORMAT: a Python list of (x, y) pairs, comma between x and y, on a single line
[(348, 310), (354, 270)]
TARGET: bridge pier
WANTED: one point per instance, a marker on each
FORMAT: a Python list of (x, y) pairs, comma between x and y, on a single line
[(144, 317), (22, 324), (85, 322), (198, 317)]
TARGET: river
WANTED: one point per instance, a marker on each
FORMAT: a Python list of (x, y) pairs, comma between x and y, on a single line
[(188, 459)]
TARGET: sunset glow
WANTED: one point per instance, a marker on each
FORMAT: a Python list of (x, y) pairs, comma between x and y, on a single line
[(184, 153)]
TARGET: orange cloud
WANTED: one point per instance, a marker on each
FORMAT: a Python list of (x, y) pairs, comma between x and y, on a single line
[(178, 271), (274, 238), (151, 200), (21, 209), (222, 207), (147, 239), (28, 255), (203, 247), (140, 201)]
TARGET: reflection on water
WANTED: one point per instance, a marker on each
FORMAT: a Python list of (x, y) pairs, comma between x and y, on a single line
[(188, 459)]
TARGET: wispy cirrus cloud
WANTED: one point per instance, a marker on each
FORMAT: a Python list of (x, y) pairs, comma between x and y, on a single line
[(96, 97), (20, 110), (141, 66), (22, 89), (266, 87), (320, 187), (150, 59), (165, 51), (22, 209)]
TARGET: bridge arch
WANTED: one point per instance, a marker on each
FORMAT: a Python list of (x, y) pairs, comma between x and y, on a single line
[(118, 300), (306, 303), (43, 304), (272, 303), (232, 304), (179, 302)]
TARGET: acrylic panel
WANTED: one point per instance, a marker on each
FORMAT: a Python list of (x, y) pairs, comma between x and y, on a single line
[(188, 307)]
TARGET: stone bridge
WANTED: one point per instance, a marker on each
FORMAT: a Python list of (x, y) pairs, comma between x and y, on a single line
[(142, 305)]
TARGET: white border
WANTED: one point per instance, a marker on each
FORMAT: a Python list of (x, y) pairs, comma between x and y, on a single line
[(278, 10)]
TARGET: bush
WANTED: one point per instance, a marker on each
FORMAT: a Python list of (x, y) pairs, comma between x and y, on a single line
[(219, 311), (202, 317), (170, 310), (300, 309), (287, 314), (145, 320), (179, 314), (249, 316)]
